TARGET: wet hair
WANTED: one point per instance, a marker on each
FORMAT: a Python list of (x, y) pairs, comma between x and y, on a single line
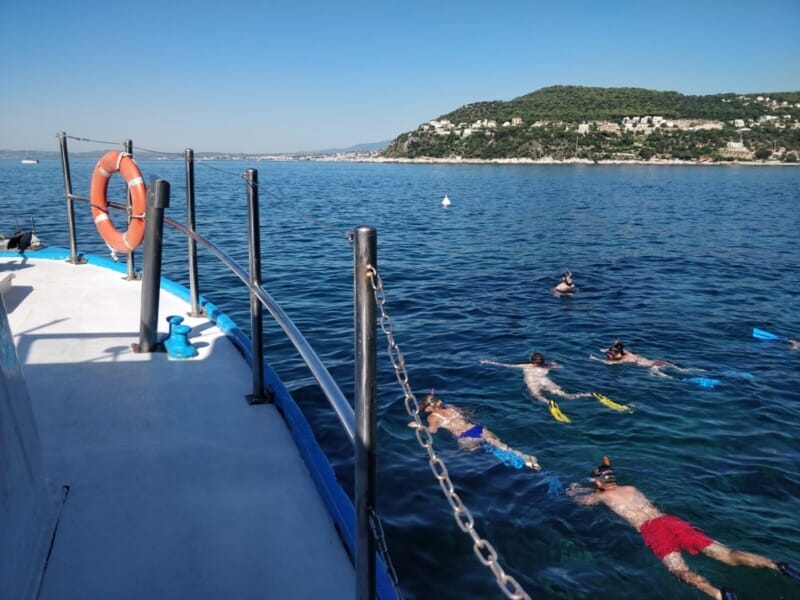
[(537, 358), (605, 472)]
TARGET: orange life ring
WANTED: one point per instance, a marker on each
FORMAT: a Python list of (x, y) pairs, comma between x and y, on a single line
[(110, 163)]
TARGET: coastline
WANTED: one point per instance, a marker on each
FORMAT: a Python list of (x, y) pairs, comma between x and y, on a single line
[(569, 161), (367, 158)]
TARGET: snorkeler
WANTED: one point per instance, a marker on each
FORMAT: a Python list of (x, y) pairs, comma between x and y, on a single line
[(666, 535), (536, 377), (470, 435), (566, 285), (617, 354)]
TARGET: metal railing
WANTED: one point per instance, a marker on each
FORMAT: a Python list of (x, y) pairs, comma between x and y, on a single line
[(358, 424)]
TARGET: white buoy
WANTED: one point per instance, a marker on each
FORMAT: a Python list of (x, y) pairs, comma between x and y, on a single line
[(445, 201)]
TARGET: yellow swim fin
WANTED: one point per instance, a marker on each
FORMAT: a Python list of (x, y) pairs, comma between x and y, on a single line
[(557, 414), (606, 401)]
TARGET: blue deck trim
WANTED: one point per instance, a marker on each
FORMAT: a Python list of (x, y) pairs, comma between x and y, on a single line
[(336, 500)]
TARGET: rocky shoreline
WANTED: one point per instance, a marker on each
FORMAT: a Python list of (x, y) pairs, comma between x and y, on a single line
[(573, 161)]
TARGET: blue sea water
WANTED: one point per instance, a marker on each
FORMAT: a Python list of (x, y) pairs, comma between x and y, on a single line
[(678, 262)]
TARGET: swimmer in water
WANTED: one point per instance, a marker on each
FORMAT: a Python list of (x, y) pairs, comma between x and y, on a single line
[(566, 285), (536, 377), (471, 435), (666, 535), (617, 354)]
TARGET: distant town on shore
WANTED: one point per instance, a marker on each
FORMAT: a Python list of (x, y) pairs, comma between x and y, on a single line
[(595, 125)]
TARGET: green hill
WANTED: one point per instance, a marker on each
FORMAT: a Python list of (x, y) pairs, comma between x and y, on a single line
[(546, 123)]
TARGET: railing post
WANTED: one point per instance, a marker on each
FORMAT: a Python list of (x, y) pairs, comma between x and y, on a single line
[(365, 256), (188, 156), (256, 309), (157, 201), (73, 244), (128, 145)]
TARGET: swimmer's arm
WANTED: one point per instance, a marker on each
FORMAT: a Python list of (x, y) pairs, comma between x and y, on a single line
[(415, 425), (433, 424), (576, 488), (588, 499), (605, 362), (499, 364), (582, 495), (433, 428)]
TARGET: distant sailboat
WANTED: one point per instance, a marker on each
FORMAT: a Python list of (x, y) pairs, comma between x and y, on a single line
[(446, 201)]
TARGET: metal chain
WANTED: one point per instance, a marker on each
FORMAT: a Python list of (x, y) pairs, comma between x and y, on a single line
[(482, 548), (376, 527)]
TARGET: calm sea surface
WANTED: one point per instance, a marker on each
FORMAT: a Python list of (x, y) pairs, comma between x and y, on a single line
[(678, 262)]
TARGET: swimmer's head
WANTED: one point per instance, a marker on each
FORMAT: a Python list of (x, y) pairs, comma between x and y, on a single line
[(537, 359), (430, 402), (567, 277), (604, 473), (616, 351)]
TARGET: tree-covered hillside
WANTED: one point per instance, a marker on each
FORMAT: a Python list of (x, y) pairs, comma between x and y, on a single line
[(565, 122), (575, 103)]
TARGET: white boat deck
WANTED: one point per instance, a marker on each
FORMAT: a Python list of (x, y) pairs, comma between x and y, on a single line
[(177, 487)]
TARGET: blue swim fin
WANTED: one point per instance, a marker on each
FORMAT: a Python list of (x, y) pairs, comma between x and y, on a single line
[(705, 382), (728, 594), (788, 570), (509, 459), (760, 334)]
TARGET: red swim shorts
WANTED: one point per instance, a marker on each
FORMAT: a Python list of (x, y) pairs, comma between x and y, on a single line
[(667, 534)]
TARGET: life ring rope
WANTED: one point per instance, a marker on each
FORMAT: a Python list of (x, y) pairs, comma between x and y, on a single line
[(123, 163)]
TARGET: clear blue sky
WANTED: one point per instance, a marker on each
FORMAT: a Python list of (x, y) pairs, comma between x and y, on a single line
[(283, 76)]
